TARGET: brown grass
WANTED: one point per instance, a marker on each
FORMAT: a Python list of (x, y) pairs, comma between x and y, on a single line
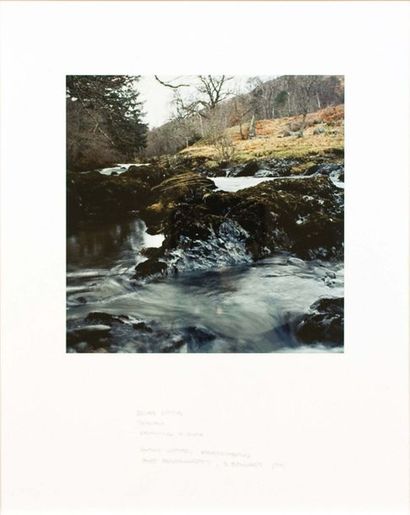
[(269, 140)]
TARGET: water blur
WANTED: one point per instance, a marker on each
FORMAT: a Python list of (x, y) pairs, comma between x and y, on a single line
[(248, 306)]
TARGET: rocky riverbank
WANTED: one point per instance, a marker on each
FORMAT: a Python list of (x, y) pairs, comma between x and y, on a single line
[(298, 210), (303, 216)]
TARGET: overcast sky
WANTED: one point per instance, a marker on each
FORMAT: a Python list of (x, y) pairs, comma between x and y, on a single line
[(157, 98)]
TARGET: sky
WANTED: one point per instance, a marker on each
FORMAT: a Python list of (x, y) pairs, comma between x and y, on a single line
[(157, 98)]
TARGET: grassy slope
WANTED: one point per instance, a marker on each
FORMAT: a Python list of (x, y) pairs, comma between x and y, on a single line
[(270, 143)]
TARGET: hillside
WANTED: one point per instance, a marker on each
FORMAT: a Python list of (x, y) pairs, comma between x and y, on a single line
[(280, 138), (277, 100)]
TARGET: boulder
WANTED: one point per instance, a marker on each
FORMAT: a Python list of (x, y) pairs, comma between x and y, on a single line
[(249, 169), (102, 197), (225, 228), (183, 186), (323, 324), (151, 267)]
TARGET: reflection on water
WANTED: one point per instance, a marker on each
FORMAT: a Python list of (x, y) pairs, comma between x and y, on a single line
[(107, 245), (248, 306)]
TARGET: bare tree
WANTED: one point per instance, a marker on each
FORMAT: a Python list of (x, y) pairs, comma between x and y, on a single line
[(213, 87), (263, 93), (225, 149), (241, 109), (210, 91), (305, 88)]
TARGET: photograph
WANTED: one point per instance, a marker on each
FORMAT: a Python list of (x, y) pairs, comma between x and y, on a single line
[(205, 213), (193, 320)]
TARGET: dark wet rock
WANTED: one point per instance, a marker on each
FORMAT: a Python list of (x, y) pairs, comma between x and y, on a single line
[(224, 246), (301, 216), (114, 174), (325, 168), (150, 268), (151, 175), (123, 333), (142, 326), (323, 324), (180, 188), (275, 167), (183, 186), (94, 196), (97, 317), (248, 170), (219, 171), (151, 252), (102, 197), (172, 345), (220, 202), (88, 337), (267, 173), (199, 339)]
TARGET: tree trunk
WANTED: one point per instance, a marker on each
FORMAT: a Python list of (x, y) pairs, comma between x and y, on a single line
[(201, 125), (252, 132)]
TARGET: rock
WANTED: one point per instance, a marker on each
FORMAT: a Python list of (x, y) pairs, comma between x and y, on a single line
[(151, 268), (88, 337), (319, 130), (270, 211), (295, 126), (149, 174), (323, 324), (296, 261), (90, 329), (267, 173), (172, 345), (151, 252), (128, 334), (198, 338), (282, 167), (224, 246), (225, 228), (106, 197), (96, 196), (220, 202), (97, 317), (182, 187), (82, 346), (326, 168), (248, 170), (142, 326)]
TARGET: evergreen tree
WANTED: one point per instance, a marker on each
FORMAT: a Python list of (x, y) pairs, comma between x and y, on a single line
[(104, 120)]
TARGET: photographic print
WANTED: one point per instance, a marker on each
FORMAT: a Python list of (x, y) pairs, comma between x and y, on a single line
[(205, 213)]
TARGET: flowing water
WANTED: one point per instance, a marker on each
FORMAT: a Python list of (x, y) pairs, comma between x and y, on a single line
[(246, 308), (238, 183)]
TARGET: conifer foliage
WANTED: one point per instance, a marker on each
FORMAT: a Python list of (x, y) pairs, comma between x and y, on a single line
[(104, 120)]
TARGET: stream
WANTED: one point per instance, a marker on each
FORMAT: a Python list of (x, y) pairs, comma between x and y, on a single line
[(246, 308)]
